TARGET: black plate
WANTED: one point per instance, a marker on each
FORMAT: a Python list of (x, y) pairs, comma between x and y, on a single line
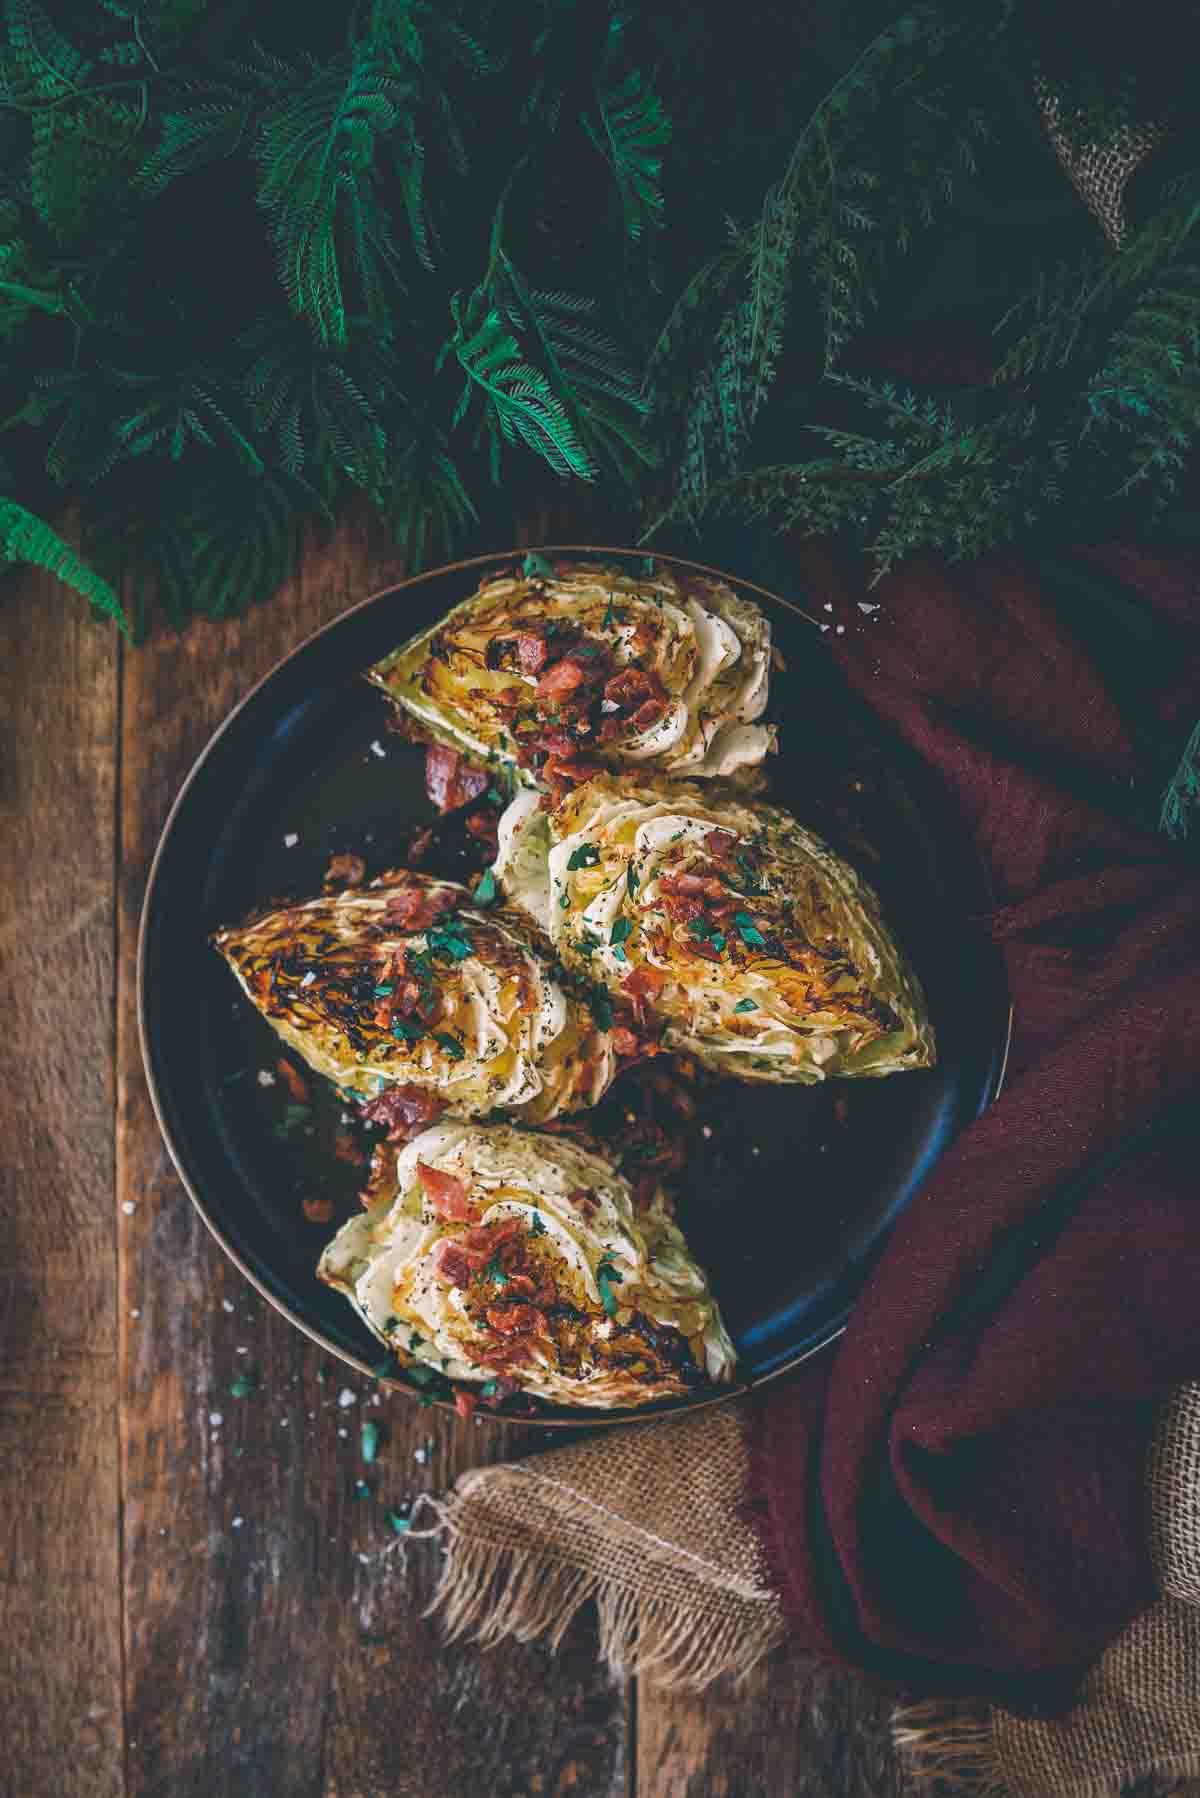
[(795, 1188)]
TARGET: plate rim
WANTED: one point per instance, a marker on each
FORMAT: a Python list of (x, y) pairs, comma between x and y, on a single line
[(586, 1419)]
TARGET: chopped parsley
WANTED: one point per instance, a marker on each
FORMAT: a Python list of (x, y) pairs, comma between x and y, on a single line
[(612, 615), (398, 1523), (488, 1389), (414, 1341), (586, 856), (606, 1278), (746, 1005), (390, 1324), (361, 1489), (619, 953), (485, 892), (565, 901), (450, 1044), (448, 941), (495, 1273), (631, 880), (748, 872), (600, 1006), (381, 992), (585, 942), (408, 1030), (535, 565), (370, 1440), (537, 1228), (749, 932), (387, 1369), (622, 929), (701, 928), (649, 565), (245, 1384)]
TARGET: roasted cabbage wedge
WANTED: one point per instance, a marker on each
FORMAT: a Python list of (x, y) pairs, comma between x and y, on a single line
[(405, 982), (493, 1253), (588, 665), (761, 951)]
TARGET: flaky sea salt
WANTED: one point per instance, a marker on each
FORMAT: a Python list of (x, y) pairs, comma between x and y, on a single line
[(378, 749), (291, 839), (227, 1304), (346, 1398), (265, 1077), (310, 979), (128, 1206)]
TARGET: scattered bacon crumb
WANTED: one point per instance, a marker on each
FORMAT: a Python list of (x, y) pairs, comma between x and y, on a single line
[(533, 653), (318, 1211), (404, 1110), (631, 688), (450, 779), (562, 678), (345, 871), (649, 714), (415, 907), (464, 1404), (418, 849), (707, 886), (513, 1320), (482, 826), (295, 1082), (346, 1149), (449, 1196), (487, 1238), (720, 843), (453, 1264)]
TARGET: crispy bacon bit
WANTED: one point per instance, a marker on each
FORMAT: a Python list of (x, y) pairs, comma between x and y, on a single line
[(561, 773), (318, 1211), (453, 1264), (451, 780), (644, 982), (295, 1082), (486, 1238), (624, 1041), (631, 688), (720, 844), (345, 871), (447, 1193), (533, 652), (464, 1404), (415, 907), (562, 678), (482, 826), (346, 1149), (513, 1320), (404, 1110), (648, 715), (419, 848), (706, 886)]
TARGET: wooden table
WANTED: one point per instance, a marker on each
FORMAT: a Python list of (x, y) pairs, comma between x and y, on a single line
[(193, 1604)]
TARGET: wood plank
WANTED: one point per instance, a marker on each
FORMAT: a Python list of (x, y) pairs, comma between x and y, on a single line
[(274, 1639), (60, 1635), (795, 1729)]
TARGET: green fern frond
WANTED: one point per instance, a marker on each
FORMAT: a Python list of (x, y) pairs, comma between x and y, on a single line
[(323, 408), (207, 132), (630, 130), (25, 538), (518, 402), (1182, 794), (424, 502), (320, 165)]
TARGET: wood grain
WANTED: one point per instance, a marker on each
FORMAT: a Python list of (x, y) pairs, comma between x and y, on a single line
[(274, 1637), (60, 1637), (796, 1729)]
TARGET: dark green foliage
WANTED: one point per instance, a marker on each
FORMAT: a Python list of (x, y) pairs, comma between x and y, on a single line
[(255, 262), (1183, 790)]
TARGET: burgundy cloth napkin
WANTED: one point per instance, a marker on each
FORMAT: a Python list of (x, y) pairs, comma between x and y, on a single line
[(956, 1498)]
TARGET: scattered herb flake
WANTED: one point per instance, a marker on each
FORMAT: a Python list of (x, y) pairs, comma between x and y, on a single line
[(361, 1489), (631, 880), (488, 1389), (485, 892), (749, 932), (613, 615), (245, 1384), (537, 1228), (622, 929), (585, 942), (398, 1523), (565, 901), (390, 1324), (619, 953), (586, 856), (495, 1273), (407, 1030), (717, 940), (600, 1006), (448, 941), (450, 1044), (606, 1278), (381, 992), (370, 1441), (746, 1005), (535, 565)]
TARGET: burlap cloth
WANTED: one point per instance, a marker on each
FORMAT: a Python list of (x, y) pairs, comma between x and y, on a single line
[(683, 1597)]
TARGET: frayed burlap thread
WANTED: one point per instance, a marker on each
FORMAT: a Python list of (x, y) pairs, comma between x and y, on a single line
[(1138, 1711), (645, 1523)]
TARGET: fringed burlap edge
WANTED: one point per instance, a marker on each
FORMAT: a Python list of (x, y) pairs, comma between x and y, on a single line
[(529, 1544), (949, 1747)]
